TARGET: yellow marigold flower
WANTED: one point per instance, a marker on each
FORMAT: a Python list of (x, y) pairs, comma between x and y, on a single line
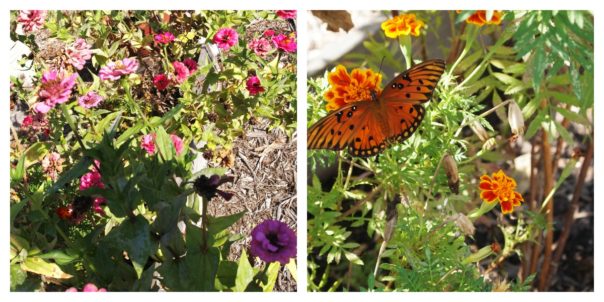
[(500, 187), (480, 18), (402, 25), (348, 88)]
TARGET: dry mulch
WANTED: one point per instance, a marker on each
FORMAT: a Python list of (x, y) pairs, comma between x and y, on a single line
[(264, 187)]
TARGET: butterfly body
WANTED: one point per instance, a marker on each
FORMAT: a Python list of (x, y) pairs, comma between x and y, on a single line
[(367, 127)]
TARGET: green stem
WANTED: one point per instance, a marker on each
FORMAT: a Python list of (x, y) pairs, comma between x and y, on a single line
[(471, 37), (204, 224), (133, 105), (405, 45)]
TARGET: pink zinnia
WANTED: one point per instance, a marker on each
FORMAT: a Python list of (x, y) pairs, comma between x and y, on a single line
[(52, 165), (269, 33), (161, 81), (253, 85), (55, 89), (92, 179), (78, 53), (148, 143), (114, 70), (177, 142), (164, 38), (285, 43), (27, 121), (261, 47), (89, 287), (191, 64), (90, 100), (31, 20), (287, 14), (181, 71), (226, 38), (97, 205)]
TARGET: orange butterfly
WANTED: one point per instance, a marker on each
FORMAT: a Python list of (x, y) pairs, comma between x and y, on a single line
[(368, 127)]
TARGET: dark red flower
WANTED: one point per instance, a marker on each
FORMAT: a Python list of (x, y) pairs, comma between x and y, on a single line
[(161, 81), (191, 64)]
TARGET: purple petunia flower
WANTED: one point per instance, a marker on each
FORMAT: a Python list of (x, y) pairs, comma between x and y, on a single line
[(273, 240), (115, 70)]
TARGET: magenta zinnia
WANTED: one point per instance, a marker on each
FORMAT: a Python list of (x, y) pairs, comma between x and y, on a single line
[(164, 38), (273, 240), (181, 71), (78, 53), (287, 14), (285, 43), (55, 89), (253, 85), (226, 38), (115, 70)]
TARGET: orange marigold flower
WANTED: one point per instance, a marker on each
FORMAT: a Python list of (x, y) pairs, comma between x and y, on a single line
[(500, 187), (348, 88), (402, 25), (480, 18)]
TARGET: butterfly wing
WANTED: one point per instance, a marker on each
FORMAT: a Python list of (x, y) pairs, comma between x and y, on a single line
[(354, 126), (415, 85)]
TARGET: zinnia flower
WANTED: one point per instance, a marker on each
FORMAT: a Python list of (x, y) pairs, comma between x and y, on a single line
[(78, 53), (285, 43), (500, 187), (260, 47), (402, 25), (55, 89), (207, 187), (27, 121), (191, 64), (253, 85), (348, 88), (287, 14), (89, 287), (164, 38), (115, 70), (97, 205), (161, 81), (52, 164), (148, 143), (177, 142), (273, 240), (480, 18), (269, 33), (226, 38), (92, 179), (90, 100), (31, 20), (181, 71)]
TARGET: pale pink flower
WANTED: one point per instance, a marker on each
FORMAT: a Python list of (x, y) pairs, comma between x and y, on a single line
[(55, 89), (52, 164), (90, 100), (253, 85), (89, 287), (78, 53), (191, 64), (31, 20), (226, 38), (148, 143), (285, 43), (260, 47), (164, 38), (287, 14), (177, 142), (115, 70), (181, 71)]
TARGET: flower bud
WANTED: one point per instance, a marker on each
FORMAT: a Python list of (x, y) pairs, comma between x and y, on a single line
[(452, 174), (479, 131), (515, 119)]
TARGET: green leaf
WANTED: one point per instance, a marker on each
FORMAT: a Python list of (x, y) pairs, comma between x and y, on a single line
[(272, 272), (17, 276), (245, 273), (539, 65), (133, 236), (218, 224), (130, 132), (35, 153), (18, 172), (464, 15), (292, 268), (39, 266), (102, 125), (226, 275), (59, 257), (573, 116), (535, 125), (164, 144)]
